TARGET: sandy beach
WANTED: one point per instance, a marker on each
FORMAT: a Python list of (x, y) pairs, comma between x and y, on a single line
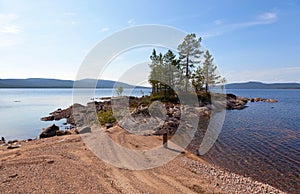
[(64, 164)]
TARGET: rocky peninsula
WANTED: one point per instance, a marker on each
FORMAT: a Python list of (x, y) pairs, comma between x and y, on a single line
[(60, 161)]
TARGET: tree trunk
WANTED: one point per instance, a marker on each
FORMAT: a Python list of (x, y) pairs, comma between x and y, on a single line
[(206, 82), (187, 73)]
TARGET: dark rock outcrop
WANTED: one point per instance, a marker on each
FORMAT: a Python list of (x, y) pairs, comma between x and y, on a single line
[(262, 100), (14, 146), (59, 114), (234, 102), (62, 132), (2, 141), (53, 130), (145, 119), (238, 103), (49, 131)]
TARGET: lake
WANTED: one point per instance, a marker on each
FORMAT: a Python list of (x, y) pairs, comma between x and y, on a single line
[(261, 141), (21, 109)]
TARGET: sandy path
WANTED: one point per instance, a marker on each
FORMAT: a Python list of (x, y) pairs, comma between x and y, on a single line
[(65, 165)]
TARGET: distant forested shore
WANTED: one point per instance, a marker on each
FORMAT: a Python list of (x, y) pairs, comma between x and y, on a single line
[(58, 83)]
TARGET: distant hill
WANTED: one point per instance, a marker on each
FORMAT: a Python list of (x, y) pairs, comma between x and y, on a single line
[(259, 85), (56, 83)]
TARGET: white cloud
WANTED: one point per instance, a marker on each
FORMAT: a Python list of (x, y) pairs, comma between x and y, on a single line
[(105, 29), (9, 40), (7, 24), (73, 22), (6, 18), (262, 19), (270, 16), (10, 29)]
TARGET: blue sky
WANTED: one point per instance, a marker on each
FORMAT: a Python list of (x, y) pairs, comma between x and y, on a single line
[(255, 40)]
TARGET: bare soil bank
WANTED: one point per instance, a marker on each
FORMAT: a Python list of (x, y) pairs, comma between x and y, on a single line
[(64, 164)]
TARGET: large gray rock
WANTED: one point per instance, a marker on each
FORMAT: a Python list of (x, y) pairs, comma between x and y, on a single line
[(84, 130)]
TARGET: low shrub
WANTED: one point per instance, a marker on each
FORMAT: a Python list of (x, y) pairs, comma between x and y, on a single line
[(106, 116)]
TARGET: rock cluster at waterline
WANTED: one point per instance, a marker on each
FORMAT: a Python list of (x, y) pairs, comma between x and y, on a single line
[(142, 118)]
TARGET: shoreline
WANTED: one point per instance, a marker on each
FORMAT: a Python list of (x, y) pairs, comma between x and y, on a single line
[(219, 172), (58, 159)]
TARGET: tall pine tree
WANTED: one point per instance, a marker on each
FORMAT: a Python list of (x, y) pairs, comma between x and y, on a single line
[(189, 52), (209, 71)]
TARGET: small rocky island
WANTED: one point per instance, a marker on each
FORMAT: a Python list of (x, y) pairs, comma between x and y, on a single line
[(145, 118), (141, 109)]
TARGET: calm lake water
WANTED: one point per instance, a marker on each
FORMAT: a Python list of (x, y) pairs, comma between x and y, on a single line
[(261, 141), (21, 109)]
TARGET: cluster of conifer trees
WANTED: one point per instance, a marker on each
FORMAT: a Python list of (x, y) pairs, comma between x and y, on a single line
[(192, 69)]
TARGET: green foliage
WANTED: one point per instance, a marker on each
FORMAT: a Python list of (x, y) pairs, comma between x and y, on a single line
[(169, 74), (164, 72), (106, 117), (119, 90), (198, 79), (164, 98), (145, 100), (189, 52), (135, 102), (204, 97), (209, 71)]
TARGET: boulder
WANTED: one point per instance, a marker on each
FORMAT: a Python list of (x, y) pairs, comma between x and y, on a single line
[(244, 99), (203, 111), (177, 113), (169, 127), (59, 114), (49, 131), (12, 141), (13, 146), (2, 141), (231, 96), (48, 118), (62, 132), (85, 130), (271, 100)]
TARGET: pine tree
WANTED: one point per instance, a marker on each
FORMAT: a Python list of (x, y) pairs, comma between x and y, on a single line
[(209, 72), (198, 79), (170, 65), (189, 51), (154, 71)]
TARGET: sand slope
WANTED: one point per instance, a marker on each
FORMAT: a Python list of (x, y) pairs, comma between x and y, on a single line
[(65, 165)]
